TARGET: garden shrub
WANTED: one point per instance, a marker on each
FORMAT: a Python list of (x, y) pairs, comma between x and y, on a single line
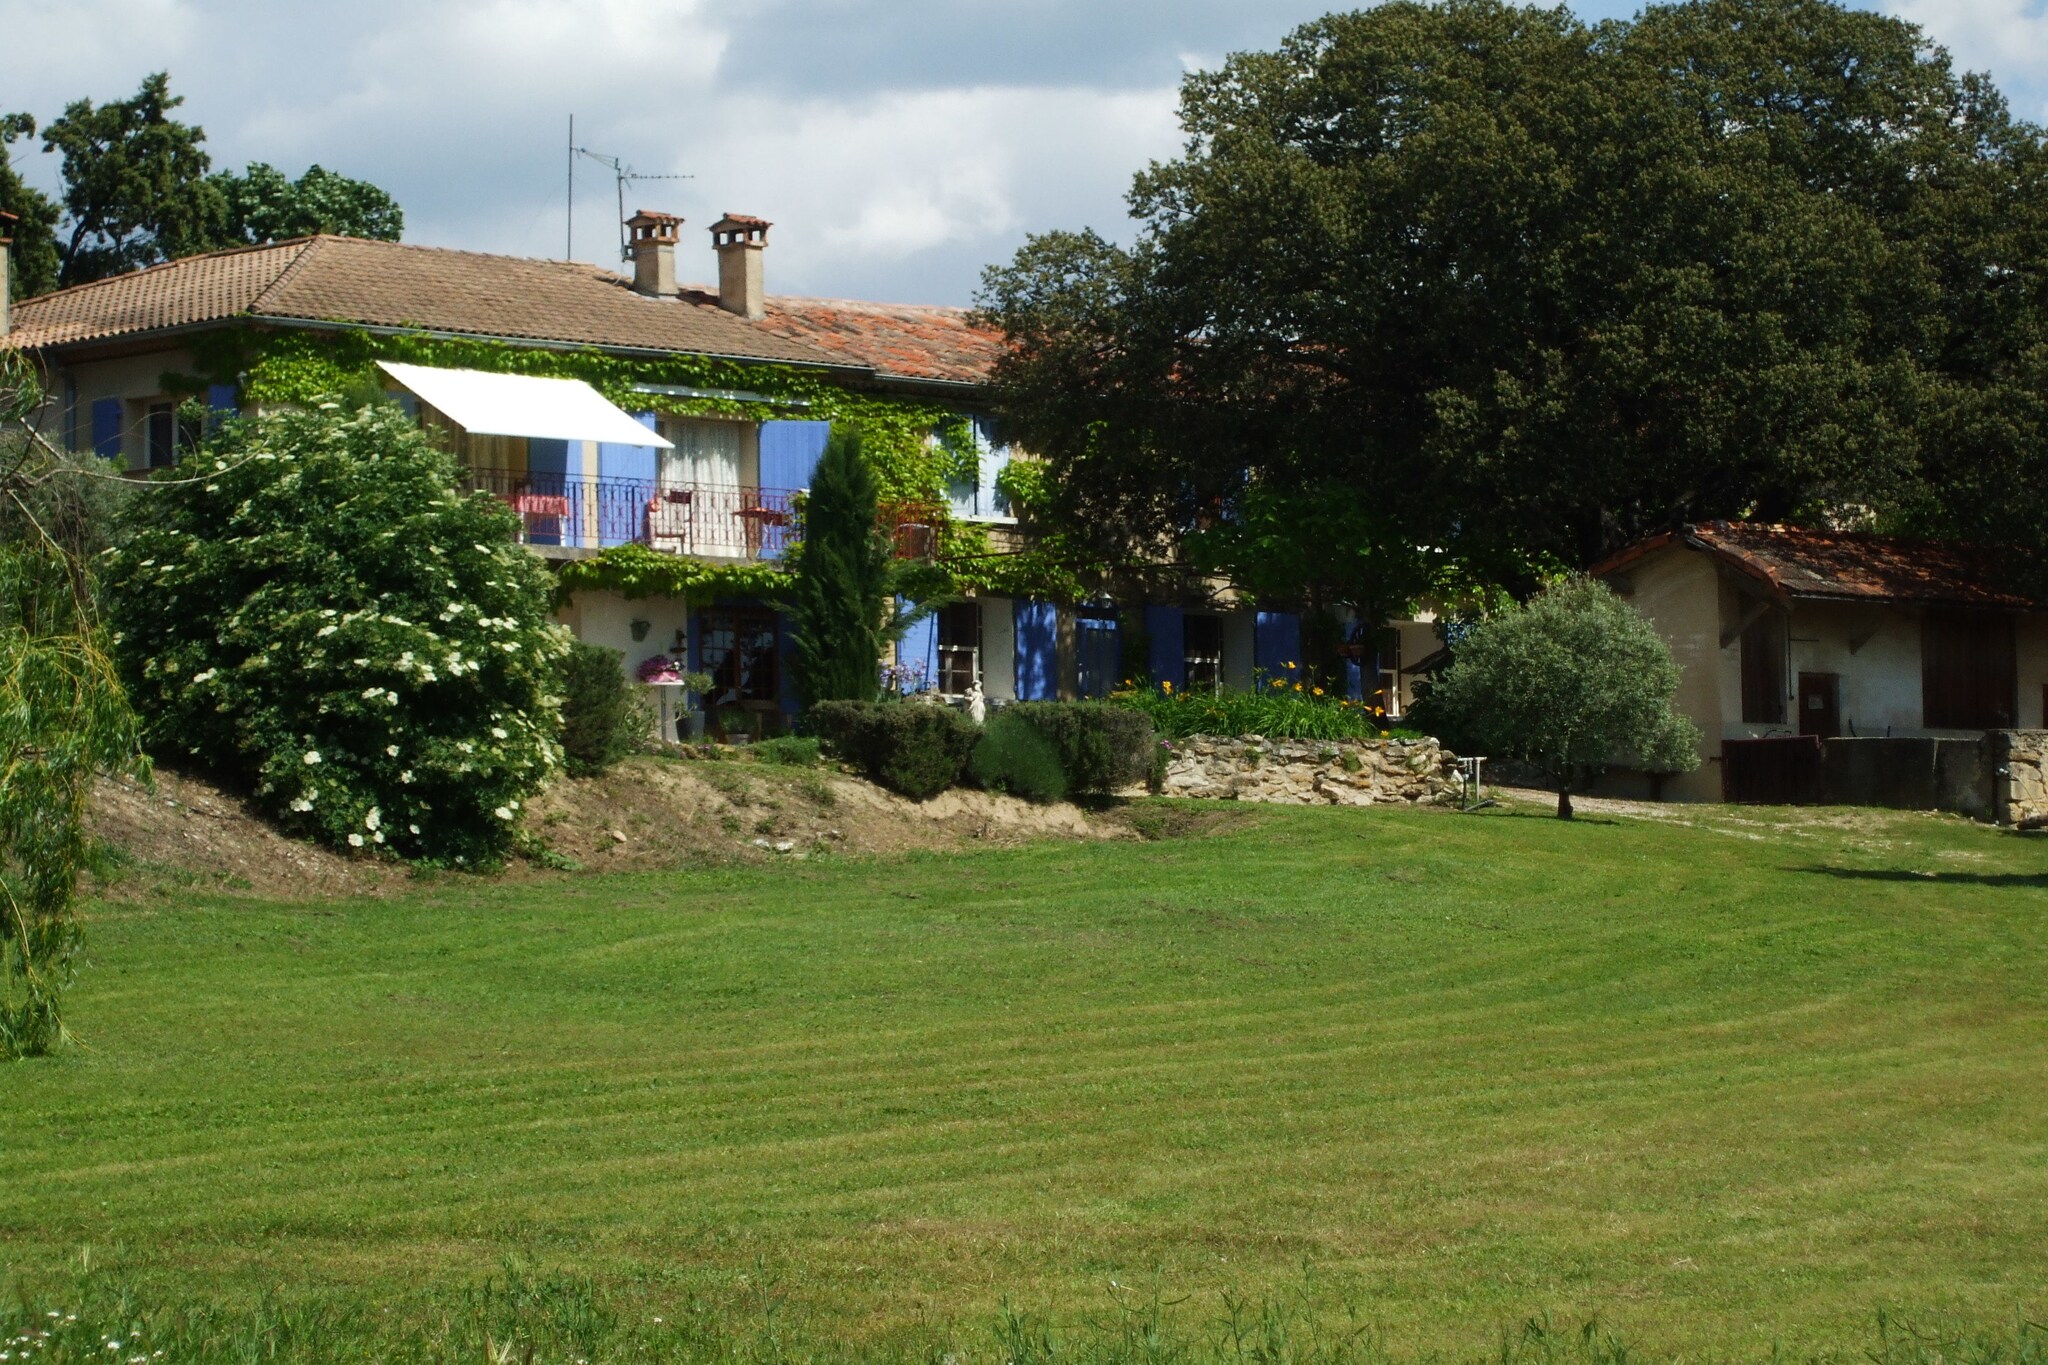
[(1277, 709), (603, 717), (789, 751), (1013, 756), (912, 749), (315, 611), (1101, 747)]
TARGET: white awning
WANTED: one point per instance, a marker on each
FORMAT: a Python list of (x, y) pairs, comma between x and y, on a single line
[(486, 404)]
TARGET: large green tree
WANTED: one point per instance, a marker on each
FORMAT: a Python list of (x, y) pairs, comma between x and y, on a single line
[(137, 190), (1522, 286), (35, 231)]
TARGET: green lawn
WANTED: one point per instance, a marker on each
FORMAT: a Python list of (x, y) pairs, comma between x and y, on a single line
[(1719, 1084)]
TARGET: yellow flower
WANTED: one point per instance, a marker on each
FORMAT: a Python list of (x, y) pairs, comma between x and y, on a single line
[(1383, 734), (1167, 686), (1297, 687), (1279, 682), (1319, 691)]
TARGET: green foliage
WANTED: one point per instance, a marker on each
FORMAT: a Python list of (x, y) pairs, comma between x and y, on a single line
[(264, 206), (1014, 756), (1489, 280), (842, 581), (34, 268), (1101, 748), (912, 749), (603, 716), (1279, 708), (640, 571), (789, 751), (314, 611), (63, 720), (1572, 682)]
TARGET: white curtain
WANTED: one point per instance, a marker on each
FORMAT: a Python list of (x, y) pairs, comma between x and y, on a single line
[(707, 455)]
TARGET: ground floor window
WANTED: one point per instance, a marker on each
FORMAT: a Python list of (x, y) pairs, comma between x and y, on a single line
[(959, 631), (736, 646), (1383, 684), (1969, 670), (1202, 652)]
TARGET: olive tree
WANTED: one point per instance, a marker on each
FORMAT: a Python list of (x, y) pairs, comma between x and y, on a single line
[(1570, 683)]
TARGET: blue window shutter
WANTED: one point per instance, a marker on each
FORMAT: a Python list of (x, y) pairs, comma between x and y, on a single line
[(1163, 627), (1038, 651), (1276, 643), (919, 651), (790, 451), (220, 400), (696, 643), (106, 428), (629, 475)]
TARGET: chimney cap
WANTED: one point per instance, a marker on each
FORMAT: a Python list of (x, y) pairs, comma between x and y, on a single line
[(740, 229), (648, 225)]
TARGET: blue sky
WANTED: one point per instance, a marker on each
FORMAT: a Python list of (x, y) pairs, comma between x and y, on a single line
[(899, 145)]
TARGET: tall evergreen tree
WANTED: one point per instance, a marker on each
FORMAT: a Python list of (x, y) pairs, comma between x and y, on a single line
[(842, 581)]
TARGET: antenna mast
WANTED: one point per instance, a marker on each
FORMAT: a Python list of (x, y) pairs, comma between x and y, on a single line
[(621, 173)]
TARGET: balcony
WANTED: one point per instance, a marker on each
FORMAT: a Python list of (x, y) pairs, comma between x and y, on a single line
[(576, 513)]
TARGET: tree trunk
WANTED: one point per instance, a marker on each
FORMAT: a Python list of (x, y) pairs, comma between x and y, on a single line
[(1564, 800)]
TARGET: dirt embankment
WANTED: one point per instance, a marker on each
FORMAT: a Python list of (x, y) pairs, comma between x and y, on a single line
[(648, 814)]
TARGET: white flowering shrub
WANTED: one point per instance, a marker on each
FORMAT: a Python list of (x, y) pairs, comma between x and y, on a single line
[(317, 612)]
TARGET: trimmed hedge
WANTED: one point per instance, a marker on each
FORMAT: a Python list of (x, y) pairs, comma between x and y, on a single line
[(914, 750), (1014, 757), (1101, 748), (603, 718)]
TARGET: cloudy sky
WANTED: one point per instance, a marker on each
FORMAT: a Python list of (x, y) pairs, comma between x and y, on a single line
[(898, 145)]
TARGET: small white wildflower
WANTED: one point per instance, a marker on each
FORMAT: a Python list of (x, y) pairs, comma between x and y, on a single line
[(406, 776), (378, 837), (310, 757), (207, 676), (499, 732), (325, 631), (503, 812), (414, 828), (465, 746), (391, 751), (301, 804), (213, 488), (373, 819), (219, 465), (355, 841)]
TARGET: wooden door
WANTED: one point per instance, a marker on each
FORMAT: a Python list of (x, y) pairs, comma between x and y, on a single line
[(1820, 704)]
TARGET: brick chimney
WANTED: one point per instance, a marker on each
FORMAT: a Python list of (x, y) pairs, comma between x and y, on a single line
[(651, 238), (7, 222), (739, 240)]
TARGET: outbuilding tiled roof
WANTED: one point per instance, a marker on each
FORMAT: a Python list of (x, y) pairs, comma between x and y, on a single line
[(1843, 566), (907, 340), (390, 284)]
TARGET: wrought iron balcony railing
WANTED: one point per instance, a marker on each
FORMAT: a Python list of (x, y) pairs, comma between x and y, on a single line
[(715, 521)]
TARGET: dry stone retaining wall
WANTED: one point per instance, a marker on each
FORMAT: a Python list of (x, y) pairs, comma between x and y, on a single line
[(1308, 772), (2020, 760)]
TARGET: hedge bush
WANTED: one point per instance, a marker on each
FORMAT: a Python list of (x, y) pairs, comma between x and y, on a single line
[(1014, 757), (603, 717), (1101, 747), (788, 751), (912, 749), (314, 610)]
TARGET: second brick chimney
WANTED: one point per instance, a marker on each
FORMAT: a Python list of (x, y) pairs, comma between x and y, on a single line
[(651, 239), (739, 240)]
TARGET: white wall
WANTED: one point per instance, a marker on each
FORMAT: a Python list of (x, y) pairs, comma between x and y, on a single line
[(606, 618)]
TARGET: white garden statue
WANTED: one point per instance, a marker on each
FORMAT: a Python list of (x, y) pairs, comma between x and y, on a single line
[(977, 708)]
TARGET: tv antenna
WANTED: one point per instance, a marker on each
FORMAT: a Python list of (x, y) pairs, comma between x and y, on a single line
[(622, 174)]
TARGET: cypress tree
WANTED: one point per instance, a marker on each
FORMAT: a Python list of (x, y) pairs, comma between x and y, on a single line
[(842, 580)]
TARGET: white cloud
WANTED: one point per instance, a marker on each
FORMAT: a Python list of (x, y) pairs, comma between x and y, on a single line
[(2007, 38)]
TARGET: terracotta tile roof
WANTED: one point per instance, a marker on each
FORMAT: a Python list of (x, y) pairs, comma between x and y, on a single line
[(389, 284), (177, 293), (908, 340), (1843, 566)]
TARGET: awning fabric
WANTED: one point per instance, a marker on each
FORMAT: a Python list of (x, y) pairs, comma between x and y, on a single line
[(486, 404)]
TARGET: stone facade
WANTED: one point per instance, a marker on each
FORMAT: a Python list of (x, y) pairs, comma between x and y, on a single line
[(1312, 772), (2020, 760)]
